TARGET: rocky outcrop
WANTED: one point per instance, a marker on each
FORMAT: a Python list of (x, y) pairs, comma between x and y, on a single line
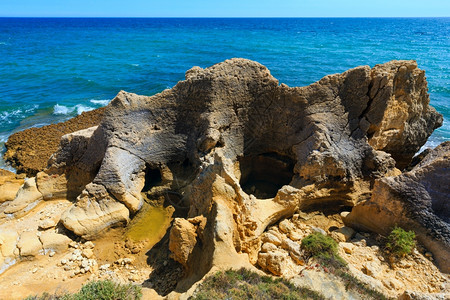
[(29, 150), (234, 146), (417, 200)]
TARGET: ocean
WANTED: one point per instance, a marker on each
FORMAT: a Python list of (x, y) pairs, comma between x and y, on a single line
[(52, 69)]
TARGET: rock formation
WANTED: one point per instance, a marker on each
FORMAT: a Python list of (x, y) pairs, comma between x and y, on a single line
[(242, 150), (242, 153), (416, 200)]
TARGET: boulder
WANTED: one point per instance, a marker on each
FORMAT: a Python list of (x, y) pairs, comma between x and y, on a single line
[(27, 197), (54, 241), (10, 184), (8, 242), (92, 213), (29, 244), (417, 200), (183, 238)]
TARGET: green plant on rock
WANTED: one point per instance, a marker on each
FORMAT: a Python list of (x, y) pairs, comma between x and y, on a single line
[(324, 248), (401, 242)]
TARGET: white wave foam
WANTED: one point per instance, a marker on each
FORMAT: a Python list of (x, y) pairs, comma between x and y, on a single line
[(9, 116), (81, 108), (65, 110), (100, 102), (62, 110)]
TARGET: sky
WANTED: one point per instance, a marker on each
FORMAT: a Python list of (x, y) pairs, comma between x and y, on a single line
[(224, 8)]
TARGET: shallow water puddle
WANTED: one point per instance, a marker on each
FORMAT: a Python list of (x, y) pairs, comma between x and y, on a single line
[(150, 224)]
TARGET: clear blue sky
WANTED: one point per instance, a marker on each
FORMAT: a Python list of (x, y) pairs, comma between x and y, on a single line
[(225, 8)]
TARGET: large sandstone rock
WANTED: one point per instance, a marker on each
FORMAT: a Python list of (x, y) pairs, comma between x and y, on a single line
[(94, 212), (238, 148), (417, 200)]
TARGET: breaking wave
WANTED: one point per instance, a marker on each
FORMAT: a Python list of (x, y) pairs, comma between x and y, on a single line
[(66, 110)]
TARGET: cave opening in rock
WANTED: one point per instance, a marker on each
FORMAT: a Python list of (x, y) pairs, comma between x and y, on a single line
[(264, 174), (152, 178)]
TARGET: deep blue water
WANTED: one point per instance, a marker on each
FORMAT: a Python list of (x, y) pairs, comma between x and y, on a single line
[(53, 68)]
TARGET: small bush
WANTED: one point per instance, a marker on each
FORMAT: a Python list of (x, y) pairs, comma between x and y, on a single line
[(98, 290), (323, 248), (317, 244), (244, 284), (401, 242)]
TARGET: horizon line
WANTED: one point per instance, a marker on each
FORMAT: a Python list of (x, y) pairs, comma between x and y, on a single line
[(241, 17)]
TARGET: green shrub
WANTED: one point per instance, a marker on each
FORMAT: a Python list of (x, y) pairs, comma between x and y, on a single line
[(317, 244), (98, 290), (244, 284), (323, 248), (401, 242)]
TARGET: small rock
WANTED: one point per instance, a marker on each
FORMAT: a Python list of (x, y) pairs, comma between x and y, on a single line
[(270, 238), (47, 224), (89, 245), (34, 270), (52, 253), (285, 226), (67, 268), (267, 247), (84, 264), (319, 230), (344, 214), (73, 244), (347, 247), (63, 261), (371, 269), (428, 254), (295, 236), (88, 253), (105, 267), (347, 232), (375, 248)]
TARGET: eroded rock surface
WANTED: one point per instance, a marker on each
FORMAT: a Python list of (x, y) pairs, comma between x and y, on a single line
[(416, 200), (234, 146)]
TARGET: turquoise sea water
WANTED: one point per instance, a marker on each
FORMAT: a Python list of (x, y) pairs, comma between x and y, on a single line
[(52, 69)]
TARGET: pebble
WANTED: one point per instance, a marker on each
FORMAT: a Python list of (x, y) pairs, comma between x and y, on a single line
[(63, 261), (52, 253), (34, 270), (428, 254)]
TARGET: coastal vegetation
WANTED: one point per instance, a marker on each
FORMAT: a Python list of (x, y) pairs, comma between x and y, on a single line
[(98, 290)]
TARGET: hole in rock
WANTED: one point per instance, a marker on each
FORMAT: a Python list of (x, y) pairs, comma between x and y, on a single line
[(264, 174), (152, 178)]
